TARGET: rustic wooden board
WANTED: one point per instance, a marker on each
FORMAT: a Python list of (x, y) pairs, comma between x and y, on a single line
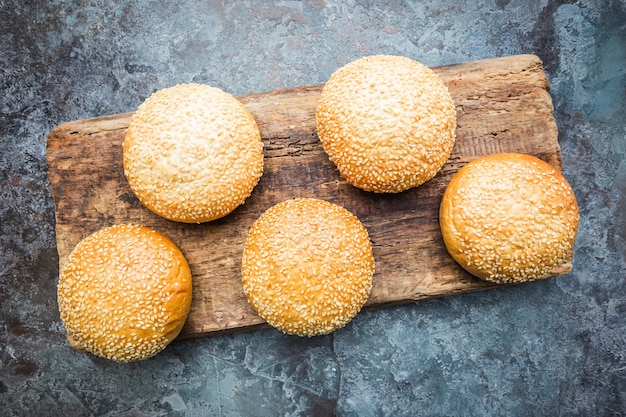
[(502, 105)]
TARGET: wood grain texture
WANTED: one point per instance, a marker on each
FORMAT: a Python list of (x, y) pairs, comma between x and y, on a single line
[(503, 105)]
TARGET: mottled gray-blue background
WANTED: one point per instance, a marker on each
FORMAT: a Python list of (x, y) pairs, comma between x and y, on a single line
[(549, 348)]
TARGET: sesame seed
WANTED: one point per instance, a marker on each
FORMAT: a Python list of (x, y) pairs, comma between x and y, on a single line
[(322, 290), (502, 222), (95, 296), (387, 122), (192, 153)]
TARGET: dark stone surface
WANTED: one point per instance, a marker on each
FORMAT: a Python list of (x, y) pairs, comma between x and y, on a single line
[(550, 348)]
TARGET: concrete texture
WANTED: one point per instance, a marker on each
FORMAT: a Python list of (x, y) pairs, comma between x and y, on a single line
[(550, 348)]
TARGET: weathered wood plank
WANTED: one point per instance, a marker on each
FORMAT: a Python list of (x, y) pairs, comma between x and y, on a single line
[(503, 105)]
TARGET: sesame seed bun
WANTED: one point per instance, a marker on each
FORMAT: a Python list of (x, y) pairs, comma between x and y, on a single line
[(387, 122), (192, 153), (509, 218), (124, 293), (307, 266)]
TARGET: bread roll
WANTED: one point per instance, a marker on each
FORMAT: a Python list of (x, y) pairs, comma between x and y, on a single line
[(387, 122), (307, 266), (509, 218), (124, 293), (192, 153)]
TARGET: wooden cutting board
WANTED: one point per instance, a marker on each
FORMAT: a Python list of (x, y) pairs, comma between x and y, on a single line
[(503, 105)]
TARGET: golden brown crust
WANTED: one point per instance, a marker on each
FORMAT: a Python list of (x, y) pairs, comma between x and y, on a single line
[(192, 153), (124, 293), (387, 122), (307, 266), (509, 217)]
